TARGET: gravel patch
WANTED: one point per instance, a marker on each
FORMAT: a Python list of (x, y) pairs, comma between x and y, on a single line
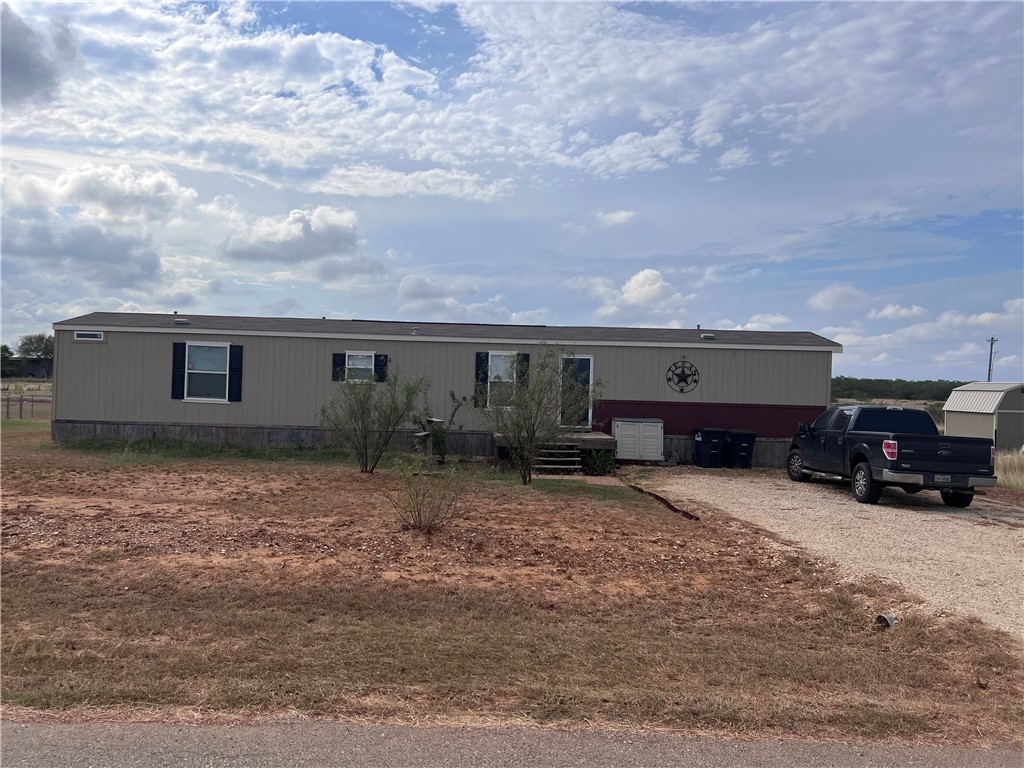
[(970, 561)]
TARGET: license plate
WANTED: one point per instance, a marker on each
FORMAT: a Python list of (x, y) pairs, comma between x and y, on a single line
[(943, 478)]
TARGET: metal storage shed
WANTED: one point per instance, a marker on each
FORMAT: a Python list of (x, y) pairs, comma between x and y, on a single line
[(988, 409)]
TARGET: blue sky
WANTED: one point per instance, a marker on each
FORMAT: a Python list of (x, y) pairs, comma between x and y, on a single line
[(852, 169)]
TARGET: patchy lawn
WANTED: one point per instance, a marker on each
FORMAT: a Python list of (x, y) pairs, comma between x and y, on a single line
[(255, 586)]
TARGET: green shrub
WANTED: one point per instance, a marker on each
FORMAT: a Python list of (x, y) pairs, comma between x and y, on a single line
[(598, 462)]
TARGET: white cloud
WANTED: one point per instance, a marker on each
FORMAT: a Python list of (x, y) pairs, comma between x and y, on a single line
[(635, 152), (705, 131), (419, 287), (299, 236), (966, 352), (363, 180), (105, 193), (615, 218), (837, 296), (646, 298), (734, 158), (897, 312)]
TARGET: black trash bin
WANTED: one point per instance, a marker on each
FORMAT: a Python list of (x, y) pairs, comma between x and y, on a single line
[(709, 447), (740, 453)]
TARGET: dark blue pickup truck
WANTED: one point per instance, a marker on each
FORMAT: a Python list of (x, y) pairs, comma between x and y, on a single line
[(878, 446)]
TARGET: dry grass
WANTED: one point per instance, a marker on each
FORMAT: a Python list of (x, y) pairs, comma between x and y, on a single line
[(1010, 469), (251, 586)]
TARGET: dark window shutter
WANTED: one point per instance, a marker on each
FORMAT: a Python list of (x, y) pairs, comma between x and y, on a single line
[(235, 373), (380, 367), (338, 366), (178, 371), (480, 386), (523, 369)]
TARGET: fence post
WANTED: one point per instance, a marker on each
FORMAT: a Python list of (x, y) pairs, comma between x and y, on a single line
[(21, 406), (7, 403)]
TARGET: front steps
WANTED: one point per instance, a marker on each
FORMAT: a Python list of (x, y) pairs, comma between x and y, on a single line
[(559, 458)]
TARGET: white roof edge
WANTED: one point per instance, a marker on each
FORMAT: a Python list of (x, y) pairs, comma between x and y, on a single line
[(186, 330)]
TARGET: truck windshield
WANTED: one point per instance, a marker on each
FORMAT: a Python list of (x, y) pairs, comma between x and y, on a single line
[(909, 422)]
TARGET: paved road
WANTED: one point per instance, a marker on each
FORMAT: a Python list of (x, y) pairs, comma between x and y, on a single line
[(304, 744)]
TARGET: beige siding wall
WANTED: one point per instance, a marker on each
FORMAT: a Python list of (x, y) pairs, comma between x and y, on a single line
[(1010, 431), (969, 424), (286, 380)]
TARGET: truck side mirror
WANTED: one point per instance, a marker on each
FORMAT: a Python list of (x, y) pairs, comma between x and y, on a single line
[(804, 427)]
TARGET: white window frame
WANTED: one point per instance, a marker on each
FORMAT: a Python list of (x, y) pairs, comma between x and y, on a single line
[(490, 377), (227, 369), (94, 337), (590, 391), (349, 367)]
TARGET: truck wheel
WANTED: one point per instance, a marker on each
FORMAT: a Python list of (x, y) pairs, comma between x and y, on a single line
[(957, 499), (795, 467), (865, 488)]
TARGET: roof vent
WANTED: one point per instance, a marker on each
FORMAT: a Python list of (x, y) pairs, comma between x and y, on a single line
[(181, 321), (708, 336), (415, 331)]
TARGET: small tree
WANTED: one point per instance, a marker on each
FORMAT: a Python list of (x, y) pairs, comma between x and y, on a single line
[(363, 415), (544, 400), (37, 346)]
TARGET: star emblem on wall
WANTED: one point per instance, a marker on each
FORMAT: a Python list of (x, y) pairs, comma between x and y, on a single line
[(682, 376)]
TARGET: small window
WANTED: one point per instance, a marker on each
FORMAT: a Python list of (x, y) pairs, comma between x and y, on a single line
[(88, 335), (359, 366), (206, 372), (501, 377)]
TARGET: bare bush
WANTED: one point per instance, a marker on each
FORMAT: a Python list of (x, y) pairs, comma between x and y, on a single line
[(425, 500)]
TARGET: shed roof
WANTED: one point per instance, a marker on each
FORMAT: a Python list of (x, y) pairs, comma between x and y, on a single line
[(323, 327), (979, 396)]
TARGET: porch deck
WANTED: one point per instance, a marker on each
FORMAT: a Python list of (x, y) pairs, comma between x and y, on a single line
[(582, 441)]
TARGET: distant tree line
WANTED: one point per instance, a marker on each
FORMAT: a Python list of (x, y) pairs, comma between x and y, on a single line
[(848, 387)]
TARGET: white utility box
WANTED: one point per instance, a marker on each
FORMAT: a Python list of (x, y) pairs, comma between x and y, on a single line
[(639, 439)]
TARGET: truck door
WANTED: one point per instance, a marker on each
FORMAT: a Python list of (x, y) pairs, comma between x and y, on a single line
[(834, 448), (813, 447)]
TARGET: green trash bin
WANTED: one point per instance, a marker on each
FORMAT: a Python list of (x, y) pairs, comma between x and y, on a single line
[(709, 447), (740, 451)]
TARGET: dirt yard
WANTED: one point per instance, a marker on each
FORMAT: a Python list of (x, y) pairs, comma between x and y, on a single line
[(154, 587)]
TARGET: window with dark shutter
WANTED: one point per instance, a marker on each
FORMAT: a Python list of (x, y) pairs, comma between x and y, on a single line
[(480, 381), (207, 372), (178, 371), (380, 367), (235, 374)]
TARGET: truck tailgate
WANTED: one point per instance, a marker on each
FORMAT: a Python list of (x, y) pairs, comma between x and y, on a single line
[(944, 455)]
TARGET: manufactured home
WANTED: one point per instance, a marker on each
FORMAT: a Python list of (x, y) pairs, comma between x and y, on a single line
[(258, 380)]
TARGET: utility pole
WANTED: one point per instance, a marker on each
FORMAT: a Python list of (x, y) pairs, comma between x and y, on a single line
[(991, 353)]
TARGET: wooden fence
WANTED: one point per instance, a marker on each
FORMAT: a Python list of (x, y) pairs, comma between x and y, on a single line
[(25, 406)]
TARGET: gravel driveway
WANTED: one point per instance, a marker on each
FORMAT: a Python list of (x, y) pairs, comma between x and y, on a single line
[(966, 560)]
